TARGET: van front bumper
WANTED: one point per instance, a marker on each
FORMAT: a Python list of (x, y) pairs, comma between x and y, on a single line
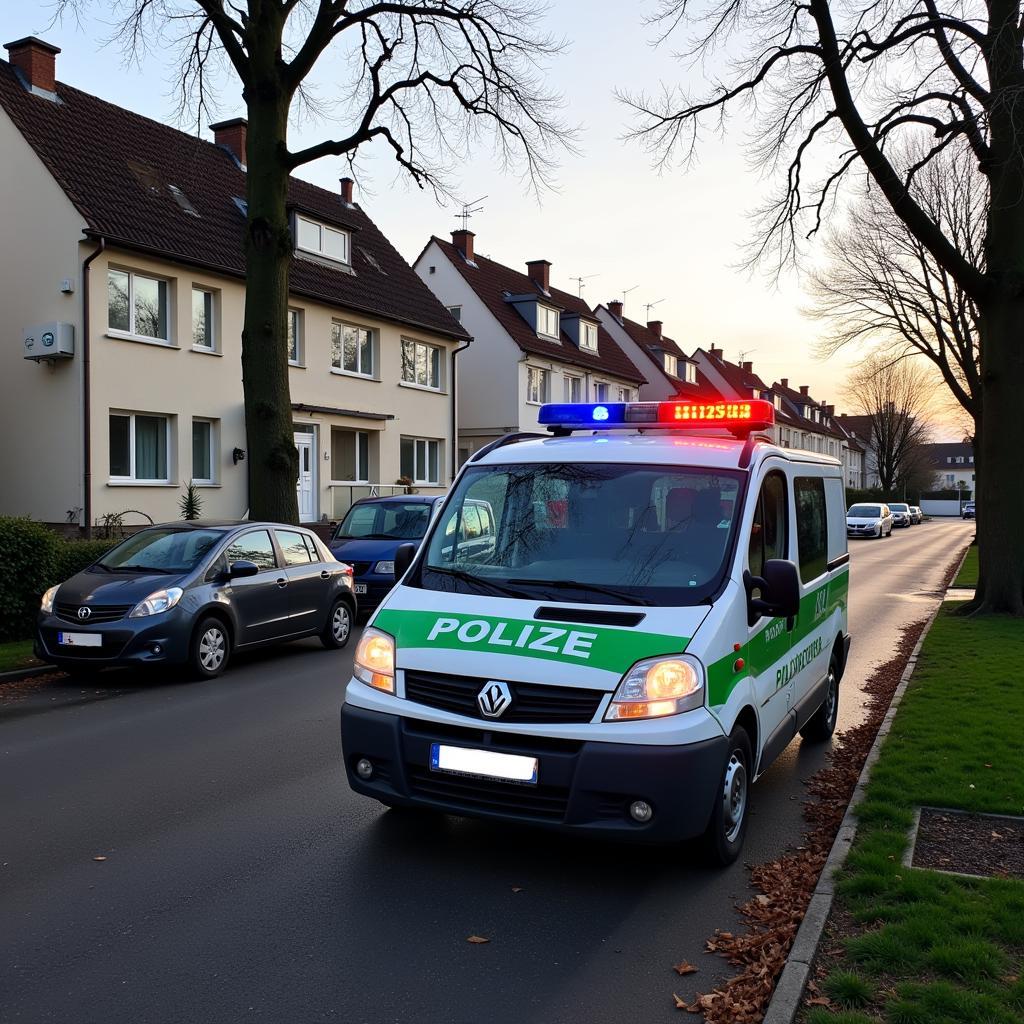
[(582, 786)]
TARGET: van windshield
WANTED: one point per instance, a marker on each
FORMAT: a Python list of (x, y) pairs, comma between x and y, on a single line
[(385, 520), (595, 533)]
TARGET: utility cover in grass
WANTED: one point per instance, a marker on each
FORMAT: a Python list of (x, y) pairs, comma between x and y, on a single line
[(991, 845)]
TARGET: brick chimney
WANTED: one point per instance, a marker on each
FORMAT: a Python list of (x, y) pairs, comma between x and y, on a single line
[(539, 272), (36, 60), (784, 382), (715, 353), (231, 135), (615, 308), (463, 241), (747, 367), (805, 389), (830, 411), (654, 326), (346, 191)]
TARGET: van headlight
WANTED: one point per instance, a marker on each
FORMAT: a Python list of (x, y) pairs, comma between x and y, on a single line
[(386, 568), (375, 660), (157, 602), (656, 687), (46, 604)]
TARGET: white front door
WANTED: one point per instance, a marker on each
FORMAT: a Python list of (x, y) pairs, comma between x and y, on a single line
[(306, 483)]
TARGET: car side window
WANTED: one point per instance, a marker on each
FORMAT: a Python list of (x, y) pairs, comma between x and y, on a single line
[(255, 546), (811, 526), (768, 533), (293, 547)]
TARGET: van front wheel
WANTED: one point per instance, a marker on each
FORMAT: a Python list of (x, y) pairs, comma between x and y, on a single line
[(725, 833), (822, 723)]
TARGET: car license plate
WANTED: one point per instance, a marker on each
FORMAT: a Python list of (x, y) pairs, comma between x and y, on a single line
[(80, 639), (360, 588), (488, 764)]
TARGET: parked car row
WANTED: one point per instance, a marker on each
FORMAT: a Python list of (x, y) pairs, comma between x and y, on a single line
[(878, 519)]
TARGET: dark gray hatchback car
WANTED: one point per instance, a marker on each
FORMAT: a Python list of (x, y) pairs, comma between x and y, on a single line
[(190, 593)]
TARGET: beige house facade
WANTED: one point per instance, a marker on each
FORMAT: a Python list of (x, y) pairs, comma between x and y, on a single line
[(149, 397)]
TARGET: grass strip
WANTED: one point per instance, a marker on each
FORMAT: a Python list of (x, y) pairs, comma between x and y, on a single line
[(920, 947), (16, 654), (968, 574)]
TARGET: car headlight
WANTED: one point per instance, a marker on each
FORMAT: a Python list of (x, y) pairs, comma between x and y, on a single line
[(46, 605), (385, 568), (375, 660), (157, 602), (656, 687)]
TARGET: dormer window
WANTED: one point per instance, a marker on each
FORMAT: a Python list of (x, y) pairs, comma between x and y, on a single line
[(321, 240), (588, 337), (755, 393), (670, 363), (547, 322), (777, 402)]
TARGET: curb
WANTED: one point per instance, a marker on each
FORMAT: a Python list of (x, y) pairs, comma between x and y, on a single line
[(790, 987), (27, 673)]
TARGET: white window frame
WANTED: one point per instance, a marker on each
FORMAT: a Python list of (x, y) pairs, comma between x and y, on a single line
[(323, 231), (777, 402), (624, 394), (131, 333), (543, 379), (168, 437), (362, 473), (541, 324), (456, 312), (300, 355), (212, 319), (213, 448), (690, 372), (421, 473), (588, 336), (670, 363), (569, 380), (600, 391), (428, 349), (371, 375)]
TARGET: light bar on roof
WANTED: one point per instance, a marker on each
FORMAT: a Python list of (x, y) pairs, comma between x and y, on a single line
[(744, 415)]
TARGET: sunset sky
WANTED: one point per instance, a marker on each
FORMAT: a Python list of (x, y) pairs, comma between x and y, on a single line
[(672, 239)]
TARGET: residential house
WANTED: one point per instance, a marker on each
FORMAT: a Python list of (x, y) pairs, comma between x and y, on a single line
[(532, 343), (953, 463), (124, 250), (814, 429), (670, 372), (862, 428)]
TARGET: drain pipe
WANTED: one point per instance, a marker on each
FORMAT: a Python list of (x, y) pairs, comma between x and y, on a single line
[(87, 393), (455, 404)]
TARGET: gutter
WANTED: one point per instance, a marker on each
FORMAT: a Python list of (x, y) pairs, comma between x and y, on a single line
[(455, 404), (87, 393)]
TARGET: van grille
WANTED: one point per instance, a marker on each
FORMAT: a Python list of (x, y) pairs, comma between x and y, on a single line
[(548, 803), (531, 702)]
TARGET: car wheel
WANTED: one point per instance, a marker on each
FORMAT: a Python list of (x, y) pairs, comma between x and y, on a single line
[(820, 726), (339, 626), (211, 648), (723, 839)]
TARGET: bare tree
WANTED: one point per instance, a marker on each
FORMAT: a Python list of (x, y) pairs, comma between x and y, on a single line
[(840, 89), (426, 78), (894, 394)]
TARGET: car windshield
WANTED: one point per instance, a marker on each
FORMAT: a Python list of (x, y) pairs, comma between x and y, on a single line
[(164, 549), (898, 507), (391, 520), (596, 533), (865, 512)]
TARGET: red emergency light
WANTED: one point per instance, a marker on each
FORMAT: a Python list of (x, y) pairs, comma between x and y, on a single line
[(755, 414)]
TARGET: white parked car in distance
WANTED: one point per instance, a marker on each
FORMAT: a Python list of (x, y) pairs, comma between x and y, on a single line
[(869, 520)]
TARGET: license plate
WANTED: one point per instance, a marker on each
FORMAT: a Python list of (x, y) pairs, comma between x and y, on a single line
[(80, 639), (360, 588), (487, 764)]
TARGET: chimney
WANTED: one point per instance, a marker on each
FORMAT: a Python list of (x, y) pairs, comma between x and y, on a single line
[(654, 326), (231, 135), (539, 271), (615, 308), (463, 241), (784, 382), (830, 411), (37, 62), (804, 389), (715, 353), (747, 367), (346, 191)]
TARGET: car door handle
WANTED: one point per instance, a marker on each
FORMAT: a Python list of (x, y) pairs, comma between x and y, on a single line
[(282, 583), (325, 575)]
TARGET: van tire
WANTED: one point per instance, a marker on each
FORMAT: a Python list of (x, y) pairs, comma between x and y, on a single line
[(723, 838), (820, 726)]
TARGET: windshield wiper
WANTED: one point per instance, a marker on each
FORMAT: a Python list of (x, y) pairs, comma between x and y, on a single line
[(145, 568), (468, 577), (594, 588)]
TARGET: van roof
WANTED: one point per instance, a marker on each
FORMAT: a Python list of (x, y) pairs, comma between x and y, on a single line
[(660, 447)]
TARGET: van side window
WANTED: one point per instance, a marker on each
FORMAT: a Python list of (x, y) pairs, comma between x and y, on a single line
[(811, 526), (768, 535)]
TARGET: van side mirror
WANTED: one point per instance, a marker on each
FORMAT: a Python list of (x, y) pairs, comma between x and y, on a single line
[(242, 568), (403, 559), (779, 589)]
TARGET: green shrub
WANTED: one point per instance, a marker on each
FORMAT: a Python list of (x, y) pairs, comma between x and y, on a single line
[(28, 555), (75, 555)]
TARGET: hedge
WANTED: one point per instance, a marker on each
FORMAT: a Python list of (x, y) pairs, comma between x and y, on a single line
[(32, 558)]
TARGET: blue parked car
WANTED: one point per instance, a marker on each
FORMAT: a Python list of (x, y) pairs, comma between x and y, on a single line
[(371, 532)]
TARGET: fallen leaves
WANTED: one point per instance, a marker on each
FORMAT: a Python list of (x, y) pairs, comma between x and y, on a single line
[(685, 968), (477, 940), (99, 857)]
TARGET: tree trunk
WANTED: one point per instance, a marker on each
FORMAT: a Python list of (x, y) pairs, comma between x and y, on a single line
[(272, 460)]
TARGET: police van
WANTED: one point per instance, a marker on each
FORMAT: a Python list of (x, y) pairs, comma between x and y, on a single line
[(659, 607)]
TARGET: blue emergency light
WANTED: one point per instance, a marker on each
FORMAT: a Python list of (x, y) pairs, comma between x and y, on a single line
[(742, 416)]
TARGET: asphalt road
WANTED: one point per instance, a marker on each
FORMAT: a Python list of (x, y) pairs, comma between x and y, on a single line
[(243, 881)]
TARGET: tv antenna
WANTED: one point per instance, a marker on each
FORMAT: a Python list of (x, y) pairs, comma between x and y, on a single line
[(650, 305), (580, 285), (626, 291), (468, 209), (743, 355)]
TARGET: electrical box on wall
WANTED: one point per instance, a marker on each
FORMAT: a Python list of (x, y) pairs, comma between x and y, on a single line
[(49, 341)]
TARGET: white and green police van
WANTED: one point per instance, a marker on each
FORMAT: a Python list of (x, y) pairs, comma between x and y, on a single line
[(613, 629)]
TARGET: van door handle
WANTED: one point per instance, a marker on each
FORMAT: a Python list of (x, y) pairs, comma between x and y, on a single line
[(282, 582)]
